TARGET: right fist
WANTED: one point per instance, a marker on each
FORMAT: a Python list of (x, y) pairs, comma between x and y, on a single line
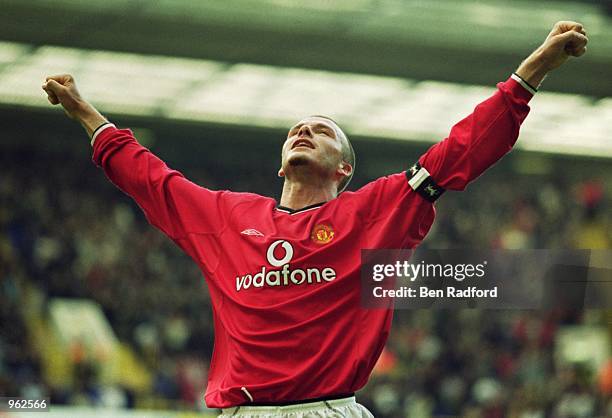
[(61, 89), (566, 39)]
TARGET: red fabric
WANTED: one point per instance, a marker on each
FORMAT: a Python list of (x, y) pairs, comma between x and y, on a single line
[(291, 341), (479, 140), (605, 379)]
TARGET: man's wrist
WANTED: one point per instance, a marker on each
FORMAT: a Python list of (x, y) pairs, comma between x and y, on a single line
[(533, 70), (89, 118)]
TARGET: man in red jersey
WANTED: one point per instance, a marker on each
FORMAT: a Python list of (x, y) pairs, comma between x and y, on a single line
[(290, 335)]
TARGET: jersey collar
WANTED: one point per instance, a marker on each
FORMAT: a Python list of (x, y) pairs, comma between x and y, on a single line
[(294, 211)]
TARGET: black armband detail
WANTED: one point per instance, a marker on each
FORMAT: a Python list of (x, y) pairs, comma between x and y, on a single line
[(421, 182)]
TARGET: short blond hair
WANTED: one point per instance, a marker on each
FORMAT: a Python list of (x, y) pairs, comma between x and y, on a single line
[(348, 153)]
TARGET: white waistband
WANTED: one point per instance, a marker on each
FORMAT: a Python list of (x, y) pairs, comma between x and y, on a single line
[(289, 408)]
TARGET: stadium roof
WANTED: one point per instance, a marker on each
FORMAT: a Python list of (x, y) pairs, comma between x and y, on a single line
[(462, 41), (273, 96)]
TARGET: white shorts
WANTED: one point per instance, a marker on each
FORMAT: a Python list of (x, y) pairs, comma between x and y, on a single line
[(337, 408)]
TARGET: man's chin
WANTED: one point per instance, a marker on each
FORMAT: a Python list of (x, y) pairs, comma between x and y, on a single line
[(299, 160)]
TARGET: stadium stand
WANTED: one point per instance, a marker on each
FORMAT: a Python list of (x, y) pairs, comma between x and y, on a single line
[(68, 233)]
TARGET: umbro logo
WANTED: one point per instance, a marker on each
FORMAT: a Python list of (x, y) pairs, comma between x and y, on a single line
[(253, 232)]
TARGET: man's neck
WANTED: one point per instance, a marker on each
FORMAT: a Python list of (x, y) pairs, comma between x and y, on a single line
[(297, 195)]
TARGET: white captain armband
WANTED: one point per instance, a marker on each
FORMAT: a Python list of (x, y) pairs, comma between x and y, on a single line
[(421, 182)]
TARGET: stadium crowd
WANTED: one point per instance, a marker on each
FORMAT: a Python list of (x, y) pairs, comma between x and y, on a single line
[(68, 232)]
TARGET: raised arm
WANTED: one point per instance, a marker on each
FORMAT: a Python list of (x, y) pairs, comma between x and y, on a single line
[(170, 202), (482, 138)]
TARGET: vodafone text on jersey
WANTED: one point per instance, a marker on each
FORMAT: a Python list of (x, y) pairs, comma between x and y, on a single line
[(284, 276)]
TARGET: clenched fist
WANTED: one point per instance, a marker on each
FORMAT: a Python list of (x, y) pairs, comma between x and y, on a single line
[(565, 40), (61, 89)]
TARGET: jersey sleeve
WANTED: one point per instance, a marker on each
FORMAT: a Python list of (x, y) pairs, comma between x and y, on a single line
[(169, 201), (391, 213), (397, 211), (479, 140)]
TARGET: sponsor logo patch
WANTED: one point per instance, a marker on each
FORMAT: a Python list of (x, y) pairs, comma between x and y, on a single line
[(279, 255)]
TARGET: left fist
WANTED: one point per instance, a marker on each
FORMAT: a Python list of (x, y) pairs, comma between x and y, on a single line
[(566, 39)]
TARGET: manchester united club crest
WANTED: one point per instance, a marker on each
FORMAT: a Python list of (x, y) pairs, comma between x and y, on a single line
[(322, 234)]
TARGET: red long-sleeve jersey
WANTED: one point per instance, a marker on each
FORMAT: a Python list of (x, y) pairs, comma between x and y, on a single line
[(284, 285)]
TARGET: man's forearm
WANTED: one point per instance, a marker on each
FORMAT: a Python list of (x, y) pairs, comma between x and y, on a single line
[(478, 141), (533, 70), (89, 118)]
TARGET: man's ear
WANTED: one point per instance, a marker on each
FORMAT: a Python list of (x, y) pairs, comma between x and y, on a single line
[(281, 173), (344, 168)]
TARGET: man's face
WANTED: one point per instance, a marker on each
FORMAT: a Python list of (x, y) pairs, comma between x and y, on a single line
[(314, 142)]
